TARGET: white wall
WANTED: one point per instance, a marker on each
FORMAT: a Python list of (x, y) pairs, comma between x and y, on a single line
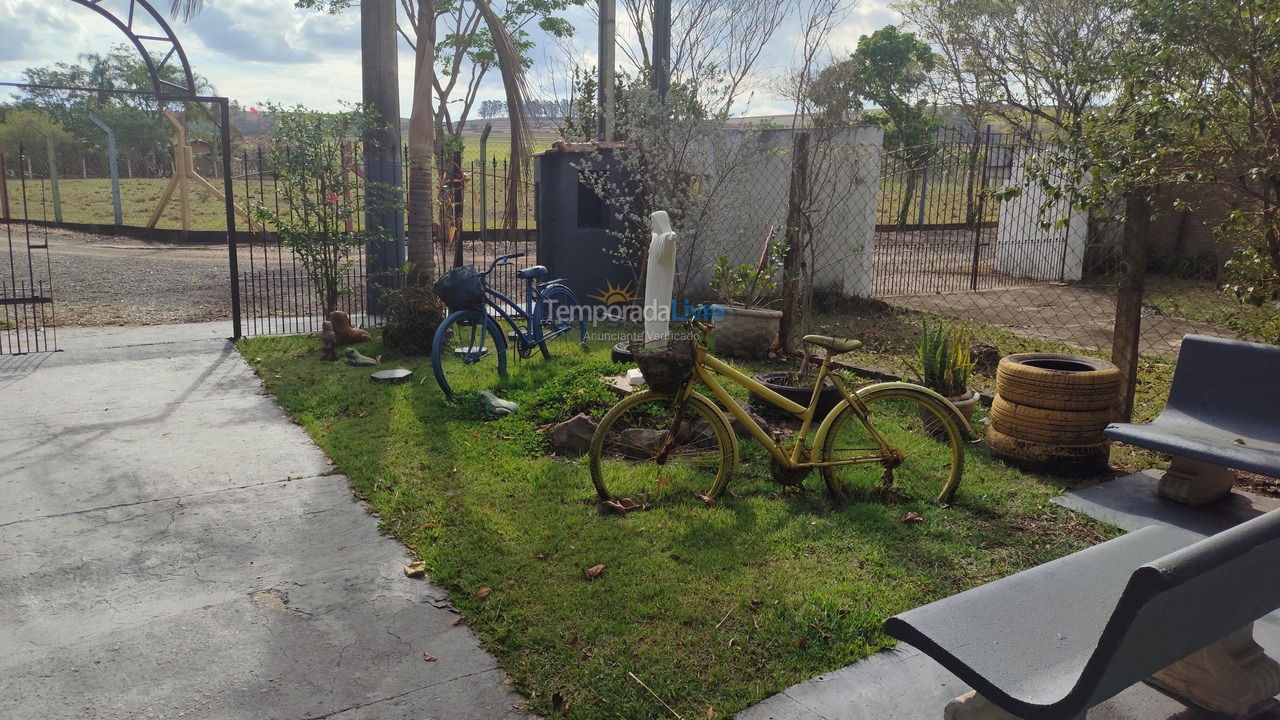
[(1039, 238), (751, 177)]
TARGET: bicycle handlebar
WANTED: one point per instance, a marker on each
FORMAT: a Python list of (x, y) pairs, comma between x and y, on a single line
[(502, 260)]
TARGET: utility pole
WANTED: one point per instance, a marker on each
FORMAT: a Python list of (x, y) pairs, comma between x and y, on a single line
[(383, 171), (604, 71), (662, 48)]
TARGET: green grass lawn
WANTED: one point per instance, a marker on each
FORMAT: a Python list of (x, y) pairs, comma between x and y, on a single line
[(891, 335), (714, 608), (1201, 300)]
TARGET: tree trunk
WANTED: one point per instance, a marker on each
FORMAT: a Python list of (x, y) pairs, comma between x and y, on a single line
[(419, 246)]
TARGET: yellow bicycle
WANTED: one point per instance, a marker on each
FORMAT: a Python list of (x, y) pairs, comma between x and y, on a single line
[(898, 439)]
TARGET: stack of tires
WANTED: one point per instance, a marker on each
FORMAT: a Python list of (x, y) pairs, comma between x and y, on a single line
[(1050, 411)]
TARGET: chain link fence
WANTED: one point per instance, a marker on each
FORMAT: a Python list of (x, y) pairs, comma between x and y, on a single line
[(959, 231)]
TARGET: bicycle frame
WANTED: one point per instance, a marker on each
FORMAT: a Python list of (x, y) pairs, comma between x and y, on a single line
[(533, 320), (707, 366)]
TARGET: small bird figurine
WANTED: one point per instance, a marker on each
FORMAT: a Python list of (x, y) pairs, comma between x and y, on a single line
[(495, 405), (328, 342), (355, 358)]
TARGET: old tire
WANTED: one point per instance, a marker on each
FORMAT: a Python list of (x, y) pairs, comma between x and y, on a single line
[(1066, 427), (1051, 381), (1053, 458)]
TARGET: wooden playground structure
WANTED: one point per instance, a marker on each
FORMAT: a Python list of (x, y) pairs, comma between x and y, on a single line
[(184, 174)]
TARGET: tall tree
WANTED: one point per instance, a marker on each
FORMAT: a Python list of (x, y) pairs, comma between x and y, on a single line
[(1199, 108), (465, 48), (1042, 63), (419, 30), (715, 47)]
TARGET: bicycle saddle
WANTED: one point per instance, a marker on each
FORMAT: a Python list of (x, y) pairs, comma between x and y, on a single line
[(833, 345), (533, 271)]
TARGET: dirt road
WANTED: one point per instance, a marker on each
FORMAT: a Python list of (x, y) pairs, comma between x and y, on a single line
[(103, 280)]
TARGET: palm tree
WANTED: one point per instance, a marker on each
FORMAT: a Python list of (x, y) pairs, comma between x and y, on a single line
[(419, 233), (185, 9)]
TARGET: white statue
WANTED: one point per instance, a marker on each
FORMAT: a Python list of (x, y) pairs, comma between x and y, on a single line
[(660, 277)]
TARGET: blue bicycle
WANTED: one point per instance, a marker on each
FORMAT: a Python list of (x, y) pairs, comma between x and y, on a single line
[(469, 346)]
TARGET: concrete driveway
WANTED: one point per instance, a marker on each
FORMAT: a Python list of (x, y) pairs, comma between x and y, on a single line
[(171, 545)]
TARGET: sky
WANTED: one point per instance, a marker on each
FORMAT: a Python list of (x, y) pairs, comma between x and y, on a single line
[(256, 51)]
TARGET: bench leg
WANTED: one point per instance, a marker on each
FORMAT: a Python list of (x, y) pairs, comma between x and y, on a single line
[(1232, 676), (972, 706), (1194, 482)]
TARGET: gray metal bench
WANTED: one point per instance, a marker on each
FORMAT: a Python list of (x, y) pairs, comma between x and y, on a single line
[(1155, 605), (1223, 412)]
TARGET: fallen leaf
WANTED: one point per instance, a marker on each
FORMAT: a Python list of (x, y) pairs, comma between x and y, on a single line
[(429, 657), (594, 572), (558, 703), (663, 481), (912, 518), (708, 500), (540, 556), (622, 506), (459, 620), (1240, 441), (571, 641), (415, 569), (803, 643), (483, 592)]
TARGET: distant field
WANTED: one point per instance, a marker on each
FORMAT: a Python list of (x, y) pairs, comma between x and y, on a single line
[(89, 200)]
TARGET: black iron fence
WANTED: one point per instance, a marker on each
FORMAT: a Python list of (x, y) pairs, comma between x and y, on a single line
[(471, 225)]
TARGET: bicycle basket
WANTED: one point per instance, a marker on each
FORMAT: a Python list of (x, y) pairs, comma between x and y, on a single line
[(461, 289), (665, 363)]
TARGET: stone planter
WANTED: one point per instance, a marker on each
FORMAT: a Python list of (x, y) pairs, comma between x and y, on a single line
[(966, 404), (746, 333)]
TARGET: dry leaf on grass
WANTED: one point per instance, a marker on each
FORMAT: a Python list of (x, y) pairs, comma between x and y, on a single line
[(415, 569), (622, 506), (912, 518), (483, 592), (593, 572)]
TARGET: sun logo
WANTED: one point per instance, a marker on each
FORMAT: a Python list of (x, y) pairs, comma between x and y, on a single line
[(613, 295)]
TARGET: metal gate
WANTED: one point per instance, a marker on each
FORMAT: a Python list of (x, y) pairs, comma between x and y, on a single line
[(26, 278), (31, 201), (936, 223)]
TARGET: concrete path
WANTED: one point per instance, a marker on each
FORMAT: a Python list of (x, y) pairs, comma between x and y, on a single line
[(171, 545), (905, 684)]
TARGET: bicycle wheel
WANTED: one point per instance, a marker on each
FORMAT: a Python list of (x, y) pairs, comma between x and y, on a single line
[(467, 354), (624, 450), (927, 447), (571, 328)]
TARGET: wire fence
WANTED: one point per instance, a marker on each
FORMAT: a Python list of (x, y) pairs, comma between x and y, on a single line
[(878, 241), (961, 232)]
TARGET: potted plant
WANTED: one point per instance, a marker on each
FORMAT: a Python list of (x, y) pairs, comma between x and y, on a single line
[(744, 328), (945, 365)]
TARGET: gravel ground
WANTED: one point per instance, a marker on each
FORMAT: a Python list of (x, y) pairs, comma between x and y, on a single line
[(104, 280)]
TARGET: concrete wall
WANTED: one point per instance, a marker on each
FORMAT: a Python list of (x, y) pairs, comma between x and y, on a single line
[(748, 178), (1039, 238)]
